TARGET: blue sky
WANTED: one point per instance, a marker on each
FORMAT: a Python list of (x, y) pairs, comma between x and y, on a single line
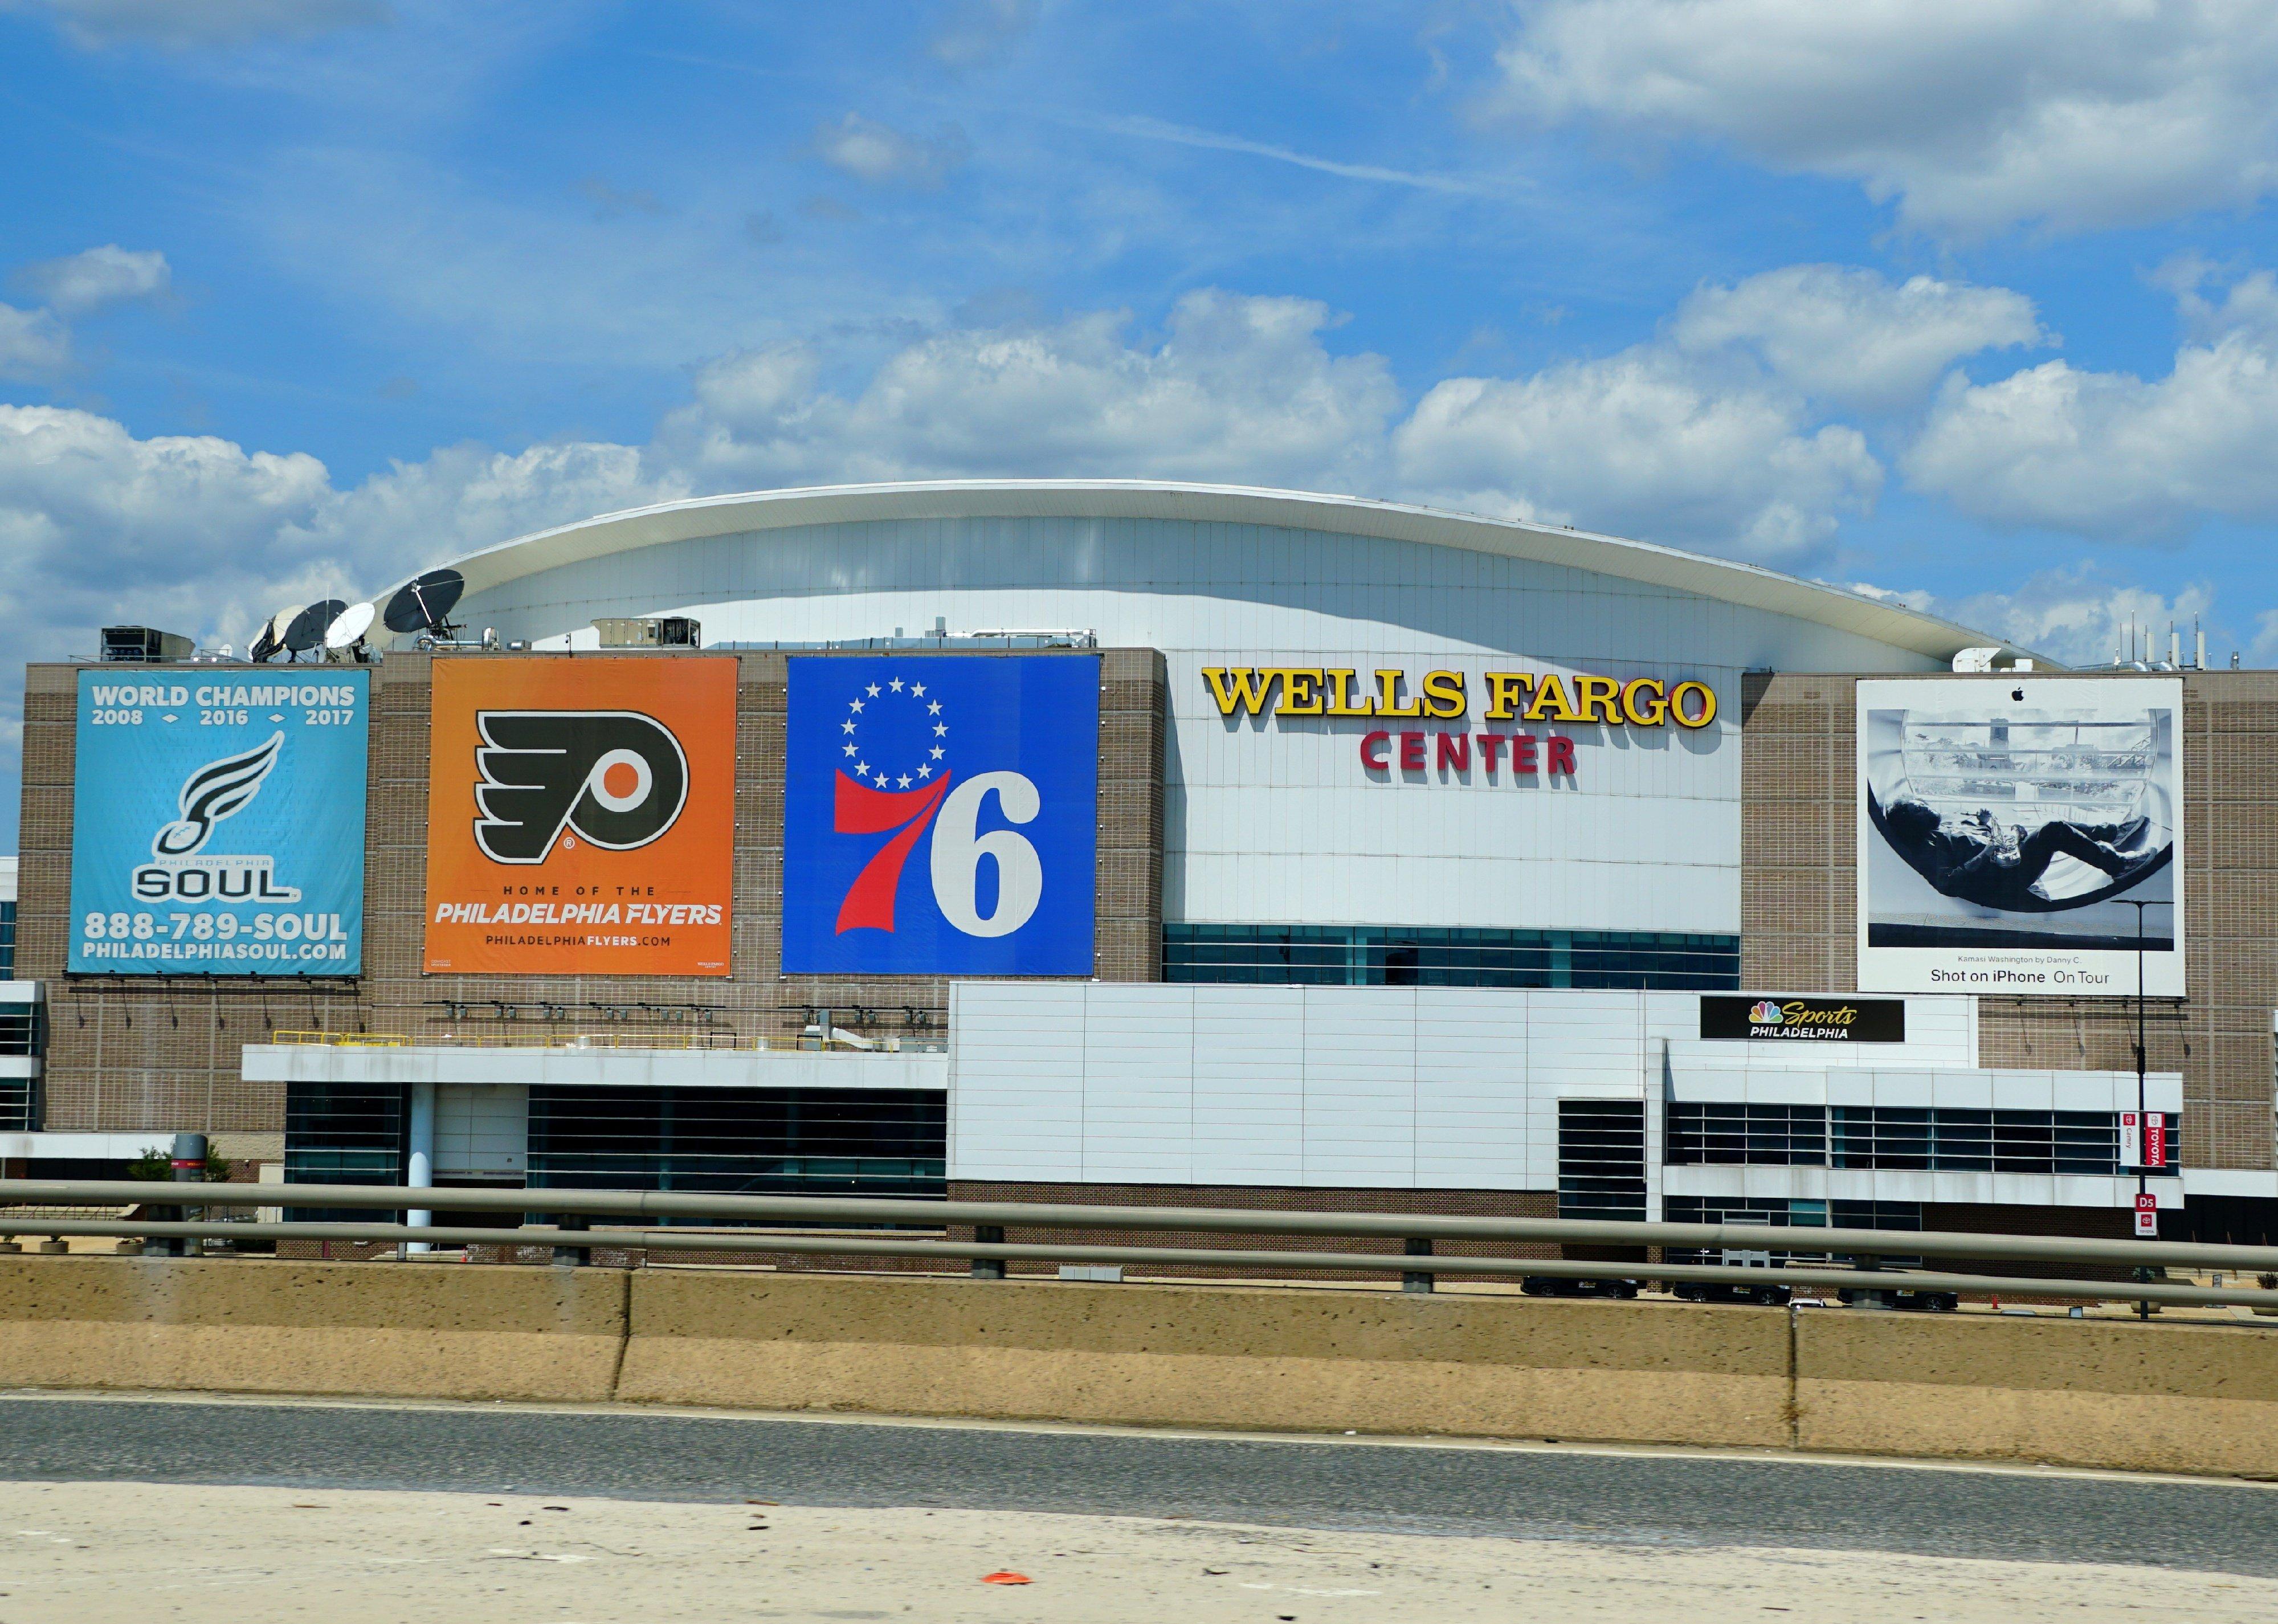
[(1969, 302)]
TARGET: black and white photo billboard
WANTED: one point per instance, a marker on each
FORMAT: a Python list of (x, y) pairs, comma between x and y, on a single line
[(2008, 826)]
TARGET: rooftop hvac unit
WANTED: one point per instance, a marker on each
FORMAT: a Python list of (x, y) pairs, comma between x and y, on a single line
[(144, 645), (650, 631)]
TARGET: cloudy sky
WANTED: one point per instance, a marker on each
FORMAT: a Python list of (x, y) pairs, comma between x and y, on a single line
[(1970, 302)]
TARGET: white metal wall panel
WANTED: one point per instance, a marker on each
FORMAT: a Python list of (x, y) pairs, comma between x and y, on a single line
[(1248, 1098), (1420, 1088), (1360, 1087), (481, 1130)]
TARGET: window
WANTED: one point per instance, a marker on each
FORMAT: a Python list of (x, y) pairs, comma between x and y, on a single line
[(8, 939), (852, 1142), (1602, 1158), (1790, 1214), (344, 1133), (1960, 1141), (1400, 956), (20, 1028), (1713, 1134), (1898, 1138)]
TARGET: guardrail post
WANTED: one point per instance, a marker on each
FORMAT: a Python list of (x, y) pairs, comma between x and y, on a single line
[(189, 1167), (1418, 1280), (989, 1269), (570, 1257), (1870, 1263)]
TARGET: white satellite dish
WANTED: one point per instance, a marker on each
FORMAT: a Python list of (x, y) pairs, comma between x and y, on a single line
[(348, 630), (270, 638)]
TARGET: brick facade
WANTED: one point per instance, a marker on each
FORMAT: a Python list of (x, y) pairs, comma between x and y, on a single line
[(1799, 899), (126, 1052)]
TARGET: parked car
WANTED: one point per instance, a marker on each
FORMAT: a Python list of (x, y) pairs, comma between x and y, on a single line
[(1551, 1285)]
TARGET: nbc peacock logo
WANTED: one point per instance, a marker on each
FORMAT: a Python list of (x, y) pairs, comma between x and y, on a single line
[(1766, 1012)]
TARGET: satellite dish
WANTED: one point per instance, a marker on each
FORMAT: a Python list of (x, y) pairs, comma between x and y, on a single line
[(421, 603), (349, 629), (272, 640), (307, 629), (262, 645)]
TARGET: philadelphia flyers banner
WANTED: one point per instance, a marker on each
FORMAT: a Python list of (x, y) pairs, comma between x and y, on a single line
[(581, 816)]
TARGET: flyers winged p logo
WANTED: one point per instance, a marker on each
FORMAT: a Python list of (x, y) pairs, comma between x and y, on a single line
[(211, 794), (618, 778)]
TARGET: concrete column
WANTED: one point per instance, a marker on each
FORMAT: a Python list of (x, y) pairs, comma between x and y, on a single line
[(421, 1174)]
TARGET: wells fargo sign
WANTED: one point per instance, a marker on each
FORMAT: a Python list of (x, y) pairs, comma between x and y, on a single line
[(1522, 697), (1511, 696)]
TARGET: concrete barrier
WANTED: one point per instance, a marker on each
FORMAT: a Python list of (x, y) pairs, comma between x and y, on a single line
[(1496, 1367), (2078, 1392), (2201, 1399), (244, 1325)]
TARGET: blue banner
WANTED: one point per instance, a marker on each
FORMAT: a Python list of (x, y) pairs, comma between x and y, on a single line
[(939, 814), (217, 821)]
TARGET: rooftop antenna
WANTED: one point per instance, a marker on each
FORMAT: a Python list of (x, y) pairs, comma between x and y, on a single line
[(2198, 643), (275, 631), (307, 629), (344, 637), (422, 606)]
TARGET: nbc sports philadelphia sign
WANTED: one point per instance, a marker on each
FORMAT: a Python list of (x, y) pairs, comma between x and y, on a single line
[(1804, 1020)]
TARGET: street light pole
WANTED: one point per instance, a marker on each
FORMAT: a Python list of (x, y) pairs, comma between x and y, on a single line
[(2143, 1110)]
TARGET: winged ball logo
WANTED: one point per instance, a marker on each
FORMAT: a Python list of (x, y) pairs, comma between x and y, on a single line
[(211, 794), (616, 779)]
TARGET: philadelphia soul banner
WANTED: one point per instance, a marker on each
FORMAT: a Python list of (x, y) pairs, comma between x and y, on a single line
[(2010, 825), (940, 815), (217, 821)]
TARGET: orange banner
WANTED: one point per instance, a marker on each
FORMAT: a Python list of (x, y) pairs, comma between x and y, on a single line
[(581, 816)]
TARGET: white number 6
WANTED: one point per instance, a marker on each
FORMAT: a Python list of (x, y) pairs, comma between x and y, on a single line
[(957, 856)]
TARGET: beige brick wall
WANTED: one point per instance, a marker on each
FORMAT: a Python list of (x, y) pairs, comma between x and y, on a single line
[(128, 1052), (1799, 899)]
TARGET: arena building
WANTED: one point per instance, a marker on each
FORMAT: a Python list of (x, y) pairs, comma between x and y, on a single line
[(1142, 842)]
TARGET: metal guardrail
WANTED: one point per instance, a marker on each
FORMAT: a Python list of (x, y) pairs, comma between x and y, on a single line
[(989, 1219)]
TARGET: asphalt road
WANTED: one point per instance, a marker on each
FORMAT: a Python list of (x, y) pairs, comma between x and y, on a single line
[(1660, 1499)]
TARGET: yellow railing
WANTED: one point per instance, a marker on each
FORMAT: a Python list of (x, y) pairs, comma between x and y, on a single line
[(696, 1039)]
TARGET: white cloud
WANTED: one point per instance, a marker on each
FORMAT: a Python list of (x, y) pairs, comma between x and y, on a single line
[(1238, 388), (198, 535), (978, 29), (182, 24), (2084, 616), (1848, 336), (879, 155), (1643, 443), (1974, 115), (2111, 454), (87, 282), (33, 343)]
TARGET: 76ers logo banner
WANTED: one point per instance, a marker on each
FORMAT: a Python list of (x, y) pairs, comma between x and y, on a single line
[(939, 814)]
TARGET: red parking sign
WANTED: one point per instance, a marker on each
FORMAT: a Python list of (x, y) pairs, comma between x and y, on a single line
[(2147, 1216)]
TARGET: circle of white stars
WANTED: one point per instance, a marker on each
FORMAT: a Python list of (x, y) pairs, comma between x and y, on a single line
[(856, 760)]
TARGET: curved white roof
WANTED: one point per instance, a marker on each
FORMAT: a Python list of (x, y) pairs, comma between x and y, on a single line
[(1745, 585)]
